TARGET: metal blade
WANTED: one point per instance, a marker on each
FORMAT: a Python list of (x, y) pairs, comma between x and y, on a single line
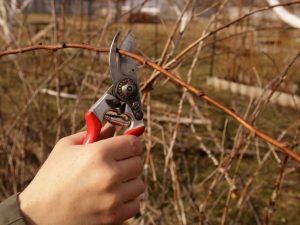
[(128, 42), (114, 60), (128, 66)]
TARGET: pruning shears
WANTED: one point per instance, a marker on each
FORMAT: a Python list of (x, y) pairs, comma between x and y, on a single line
[(120, 104)]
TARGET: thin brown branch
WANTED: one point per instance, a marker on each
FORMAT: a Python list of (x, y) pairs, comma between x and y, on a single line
[(175, 79)]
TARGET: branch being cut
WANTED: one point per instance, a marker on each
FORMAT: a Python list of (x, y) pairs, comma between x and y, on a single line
[(175, 79)]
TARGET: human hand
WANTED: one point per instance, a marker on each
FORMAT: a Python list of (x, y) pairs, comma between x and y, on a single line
[(90, 184)]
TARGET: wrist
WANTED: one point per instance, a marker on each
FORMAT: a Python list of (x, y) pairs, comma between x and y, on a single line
[(28, 208)]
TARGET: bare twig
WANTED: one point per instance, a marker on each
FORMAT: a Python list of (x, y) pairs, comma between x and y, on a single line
[(175, 79), (180, 55), (271, 207)]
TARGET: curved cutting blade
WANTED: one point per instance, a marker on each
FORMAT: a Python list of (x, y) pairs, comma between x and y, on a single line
[(128, 66), (128, 42), (121, 66), (114, 60)]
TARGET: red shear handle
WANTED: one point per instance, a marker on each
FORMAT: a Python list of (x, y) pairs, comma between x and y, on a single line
[(138, 131), (93, 127)]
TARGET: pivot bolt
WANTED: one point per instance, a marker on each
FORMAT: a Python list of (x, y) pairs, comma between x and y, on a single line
[(139, 115), (127, 89)]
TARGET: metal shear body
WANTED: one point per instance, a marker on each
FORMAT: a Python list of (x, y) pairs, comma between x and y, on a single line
[(120, 104)]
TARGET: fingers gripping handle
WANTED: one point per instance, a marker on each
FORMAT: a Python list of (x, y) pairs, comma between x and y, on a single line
[(93, 127)]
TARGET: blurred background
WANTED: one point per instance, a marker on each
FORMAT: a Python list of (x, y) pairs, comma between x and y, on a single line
[(201, 167)]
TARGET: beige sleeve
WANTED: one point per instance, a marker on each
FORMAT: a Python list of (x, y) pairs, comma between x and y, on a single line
[(10, 213)]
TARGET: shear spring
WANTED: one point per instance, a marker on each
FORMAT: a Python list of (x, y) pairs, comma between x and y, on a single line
[(117, 119)]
